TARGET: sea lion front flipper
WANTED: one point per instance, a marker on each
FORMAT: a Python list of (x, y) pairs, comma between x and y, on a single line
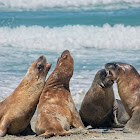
[(115, 112), (76, 122), (3, 130), (4, 124), (27, 131)]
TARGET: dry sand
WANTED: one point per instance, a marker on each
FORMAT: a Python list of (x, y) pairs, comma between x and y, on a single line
[(85, 134)]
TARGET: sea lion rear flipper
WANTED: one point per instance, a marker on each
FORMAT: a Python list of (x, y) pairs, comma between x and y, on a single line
[(48, 134)]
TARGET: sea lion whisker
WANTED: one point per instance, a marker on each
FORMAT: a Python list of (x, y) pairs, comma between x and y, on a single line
[(102, 84)]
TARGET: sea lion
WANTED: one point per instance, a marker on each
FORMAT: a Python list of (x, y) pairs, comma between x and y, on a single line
[(56, 111), (99, 106), (18, 108), (121, 114), (128, 83)]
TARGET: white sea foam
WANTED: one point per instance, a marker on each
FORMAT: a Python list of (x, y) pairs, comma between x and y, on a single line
[(89, 4), (71, 37)]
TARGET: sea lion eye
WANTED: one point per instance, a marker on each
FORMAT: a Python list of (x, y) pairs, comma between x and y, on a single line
[(64, 56), (40, 67)]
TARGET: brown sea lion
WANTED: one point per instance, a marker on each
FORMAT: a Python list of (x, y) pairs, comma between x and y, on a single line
[(18, 108), (56, 112), (128, 83), (98, 107)]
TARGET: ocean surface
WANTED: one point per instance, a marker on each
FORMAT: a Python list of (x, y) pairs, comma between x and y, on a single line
[(94, 31)]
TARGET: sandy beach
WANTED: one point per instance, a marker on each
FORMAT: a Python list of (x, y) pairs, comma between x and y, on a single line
[(84, 134)]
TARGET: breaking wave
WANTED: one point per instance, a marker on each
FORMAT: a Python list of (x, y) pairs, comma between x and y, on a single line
[(21, 5), (71, 37)]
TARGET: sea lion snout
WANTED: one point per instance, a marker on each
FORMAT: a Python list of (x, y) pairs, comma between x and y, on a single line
[(103, 81), (48, 66), (65, 58), (42, 64), (64, 55), (42, 59), (106, 83), (65, 52), (110, 66), (110, 70)]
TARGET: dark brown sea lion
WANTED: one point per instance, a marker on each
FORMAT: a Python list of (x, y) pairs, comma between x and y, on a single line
[(56, 112), (18, 108), (128, 83), (98, 107)]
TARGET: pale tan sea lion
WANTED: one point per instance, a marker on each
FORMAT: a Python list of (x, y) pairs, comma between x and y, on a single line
[(128, 83), (56, 112), (18, 108)]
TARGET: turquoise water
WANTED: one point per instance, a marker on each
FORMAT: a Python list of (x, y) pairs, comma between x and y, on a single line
[(59, 18), (94, 32)]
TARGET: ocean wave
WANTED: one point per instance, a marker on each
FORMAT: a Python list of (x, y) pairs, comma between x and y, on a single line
[(21, 5), (71, 37)]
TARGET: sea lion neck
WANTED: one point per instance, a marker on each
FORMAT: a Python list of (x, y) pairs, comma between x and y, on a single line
[(56, 81), (62, 73), (56, 85)]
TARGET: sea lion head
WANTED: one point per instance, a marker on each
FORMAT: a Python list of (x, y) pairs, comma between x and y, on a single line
[(65, 65), (116, 70), (63, 71), (103, 81), (38, 69)]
